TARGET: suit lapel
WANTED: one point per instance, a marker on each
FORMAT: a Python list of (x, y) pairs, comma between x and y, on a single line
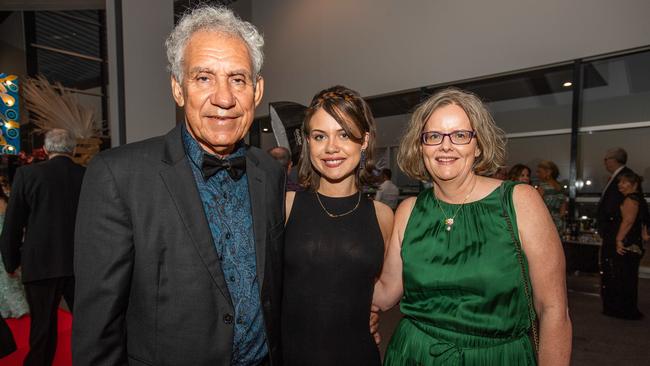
[(180, 182), (256, 188)]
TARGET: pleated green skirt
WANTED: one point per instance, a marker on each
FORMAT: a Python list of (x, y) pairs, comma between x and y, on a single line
[(419, 344)]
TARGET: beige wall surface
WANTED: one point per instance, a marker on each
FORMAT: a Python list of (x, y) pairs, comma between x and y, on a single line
[(149, 107), (381, 46)]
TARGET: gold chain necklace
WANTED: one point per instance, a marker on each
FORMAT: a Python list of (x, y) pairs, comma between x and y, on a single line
[(338, 215), (449, 220)]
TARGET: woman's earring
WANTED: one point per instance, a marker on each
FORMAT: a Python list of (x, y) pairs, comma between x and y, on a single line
[(362, 163)]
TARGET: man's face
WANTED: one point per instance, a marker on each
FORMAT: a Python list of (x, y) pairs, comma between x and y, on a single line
[(611, 164), (217, 92)]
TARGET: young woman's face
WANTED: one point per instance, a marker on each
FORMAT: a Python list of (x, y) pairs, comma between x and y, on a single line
[(332, 152)]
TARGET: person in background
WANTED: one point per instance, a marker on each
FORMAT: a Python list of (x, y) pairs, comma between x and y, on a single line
[(7, 342), (13, 303), (519, 173), (608, 210), (283, 156), (334, 238), (5, 186), (632, 232), (551, 191), (387, 192), (12, 293), (38, 236), (475, 259), (501, 173)]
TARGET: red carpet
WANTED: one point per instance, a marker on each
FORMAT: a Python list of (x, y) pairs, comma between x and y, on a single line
[(20, 329)]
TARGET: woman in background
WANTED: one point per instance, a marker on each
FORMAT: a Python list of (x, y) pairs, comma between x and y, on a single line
[(334, 238), (12, 294), (552, 192), (519, 173), (474, 259), (622, 285), (5, 186)]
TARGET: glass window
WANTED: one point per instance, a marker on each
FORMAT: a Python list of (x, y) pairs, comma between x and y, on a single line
[(531, 150), (592, 176), (617, 90)]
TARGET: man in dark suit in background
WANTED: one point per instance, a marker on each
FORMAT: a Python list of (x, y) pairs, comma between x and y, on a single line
[(178, 254), (43, 204), (283, 156), (608, 208)]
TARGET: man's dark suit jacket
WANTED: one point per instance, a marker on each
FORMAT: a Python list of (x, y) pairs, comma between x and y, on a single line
[(43, 201), (149, 285), (608, 208)]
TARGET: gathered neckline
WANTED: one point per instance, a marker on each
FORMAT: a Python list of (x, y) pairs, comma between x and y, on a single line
[(494, 191)]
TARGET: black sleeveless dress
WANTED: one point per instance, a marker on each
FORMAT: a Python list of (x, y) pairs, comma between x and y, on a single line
[(330, 266)]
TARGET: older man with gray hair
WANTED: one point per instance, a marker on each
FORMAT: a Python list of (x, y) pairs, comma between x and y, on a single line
[(38, 236), (178, 254)]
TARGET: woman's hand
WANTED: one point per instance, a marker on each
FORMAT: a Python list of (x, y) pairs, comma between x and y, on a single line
[(620, 248)]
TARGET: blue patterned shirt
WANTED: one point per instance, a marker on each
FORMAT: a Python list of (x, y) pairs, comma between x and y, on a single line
[(228, 209)]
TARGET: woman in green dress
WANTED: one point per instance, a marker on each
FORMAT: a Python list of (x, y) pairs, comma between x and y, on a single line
[(474, 260), (551, 191)]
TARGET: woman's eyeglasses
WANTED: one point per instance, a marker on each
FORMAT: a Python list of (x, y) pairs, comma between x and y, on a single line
[(459, 137)]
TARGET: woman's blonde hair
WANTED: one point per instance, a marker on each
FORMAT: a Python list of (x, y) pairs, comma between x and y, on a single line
[(551, 167), (491, 139)]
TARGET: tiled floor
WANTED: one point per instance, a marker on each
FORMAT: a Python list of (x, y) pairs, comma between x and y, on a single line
[(597, 340)]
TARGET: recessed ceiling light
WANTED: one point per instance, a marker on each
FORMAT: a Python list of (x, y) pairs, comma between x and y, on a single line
[(265, 129), (567, 84)]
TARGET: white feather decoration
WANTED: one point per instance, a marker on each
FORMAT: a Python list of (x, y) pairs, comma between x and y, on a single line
[(51, 106)]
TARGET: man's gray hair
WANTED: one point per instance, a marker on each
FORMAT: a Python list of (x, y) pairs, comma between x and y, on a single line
[(617, 154), (213, 19), (59, 141)]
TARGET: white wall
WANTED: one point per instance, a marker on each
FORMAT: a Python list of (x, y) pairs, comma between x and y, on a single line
[(380, 46), (149, 107)]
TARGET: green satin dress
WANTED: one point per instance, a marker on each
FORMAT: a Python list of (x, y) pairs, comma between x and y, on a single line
[(464, 300)]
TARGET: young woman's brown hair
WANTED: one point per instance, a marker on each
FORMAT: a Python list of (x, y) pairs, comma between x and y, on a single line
[(353, 114)]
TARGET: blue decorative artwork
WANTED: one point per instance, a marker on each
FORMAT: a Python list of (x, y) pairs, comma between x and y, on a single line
[(9, 115)]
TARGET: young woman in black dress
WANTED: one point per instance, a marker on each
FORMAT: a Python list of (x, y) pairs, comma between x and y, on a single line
[(334, 238), (632, 232)]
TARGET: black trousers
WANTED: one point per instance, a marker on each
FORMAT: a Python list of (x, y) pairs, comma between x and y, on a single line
[(619, 285), (44, 297), (7, 344)]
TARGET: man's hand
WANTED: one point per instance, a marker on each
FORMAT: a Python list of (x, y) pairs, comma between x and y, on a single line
[(374, 323)]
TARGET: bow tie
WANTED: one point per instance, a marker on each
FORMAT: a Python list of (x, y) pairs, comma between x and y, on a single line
[(235, 167)]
